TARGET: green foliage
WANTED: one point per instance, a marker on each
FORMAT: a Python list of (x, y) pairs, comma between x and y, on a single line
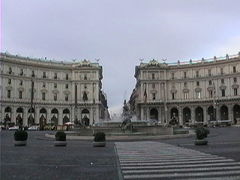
[(20, 135), (60, 136), (201, 132), (99, 137)]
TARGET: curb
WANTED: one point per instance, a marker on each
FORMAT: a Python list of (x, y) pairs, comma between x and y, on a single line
[(127, 137)]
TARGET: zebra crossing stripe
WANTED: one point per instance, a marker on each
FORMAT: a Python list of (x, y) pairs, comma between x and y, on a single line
[(145, 160), (170, 160), (182, 170), (181, 166), (181, 162), (182, 175)]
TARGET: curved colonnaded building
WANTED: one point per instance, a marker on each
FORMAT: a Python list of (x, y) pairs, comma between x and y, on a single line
[(41, 91), (187, 93)]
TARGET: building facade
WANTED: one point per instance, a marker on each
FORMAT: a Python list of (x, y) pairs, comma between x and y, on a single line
[(41, 91), (188, 93)]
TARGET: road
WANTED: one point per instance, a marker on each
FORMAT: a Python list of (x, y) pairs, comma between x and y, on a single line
[(79, 160)]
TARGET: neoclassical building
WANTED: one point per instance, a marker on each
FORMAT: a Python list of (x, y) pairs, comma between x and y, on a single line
[(41, 91), (188, 92)]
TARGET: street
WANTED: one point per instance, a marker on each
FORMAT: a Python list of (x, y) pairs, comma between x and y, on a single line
[(79, 160)]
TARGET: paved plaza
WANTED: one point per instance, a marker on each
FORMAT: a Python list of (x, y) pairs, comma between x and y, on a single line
[(166, 158)]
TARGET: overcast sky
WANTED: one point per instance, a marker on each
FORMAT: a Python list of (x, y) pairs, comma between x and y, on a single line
[(120, 32)]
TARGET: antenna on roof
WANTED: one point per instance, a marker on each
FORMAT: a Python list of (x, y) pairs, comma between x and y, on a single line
[(97, 60), (141, 60)]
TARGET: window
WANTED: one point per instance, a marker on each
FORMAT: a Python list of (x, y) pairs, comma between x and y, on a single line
[(235, 79), (210, 82), (153, 85), (210, 94), (21, 72), (10, 70), (197, 83), (55, 85), (235, 90), (223, 92), (55, 75), (234, 69), (185, 84), (21, 83), (85, 77), (197, 73), (55, 97), (20, 94), (66, 76), (43, 96), (153, 96), (209, 72), (9, 93), (198, 95), (44, 75), (66, 98), (153, 76), (185, 95), (9, 81), (66, 86), (221, 70), (173, 95), (172, 75), (185, 74), (33, 74), (222, 81), (44, 85)]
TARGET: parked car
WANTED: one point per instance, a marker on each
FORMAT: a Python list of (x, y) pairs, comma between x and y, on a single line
[(14, 128), (33, 128)]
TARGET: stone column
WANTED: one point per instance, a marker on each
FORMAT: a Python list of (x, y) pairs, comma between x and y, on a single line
[(48, 115), (25, 113), (218, 116), (14, 114), (60, 116), (142, 113), (230, 112), (37, 109), (193, 115), (180, 116), (205, 115)]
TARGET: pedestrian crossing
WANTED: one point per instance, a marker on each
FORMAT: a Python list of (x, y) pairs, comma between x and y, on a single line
[(155, 160)]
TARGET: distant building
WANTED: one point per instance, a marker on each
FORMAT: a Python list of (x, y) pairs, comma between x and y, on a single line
[(41, 91), (188, 92)]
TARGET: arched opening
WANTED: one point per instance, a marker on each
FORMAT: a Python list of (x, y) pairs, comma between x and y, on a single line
[(66, 116), (8, 115), (54, 119), (19, 118), (43, 118), (211, 113), (85, 117), (154, 114), (236, 113), (224, 112), (174, 116), (199, 114), (186, 116), (31, 116)]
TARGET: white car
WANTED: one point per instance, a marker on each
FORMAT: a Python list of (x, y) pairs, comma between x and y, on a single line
[(14, 128), (34, 128)]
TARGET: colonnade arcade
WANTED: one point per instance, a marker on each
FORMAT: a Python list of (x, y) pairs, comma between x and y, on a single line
[(194, 114), (42, 116), (32, 117)]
